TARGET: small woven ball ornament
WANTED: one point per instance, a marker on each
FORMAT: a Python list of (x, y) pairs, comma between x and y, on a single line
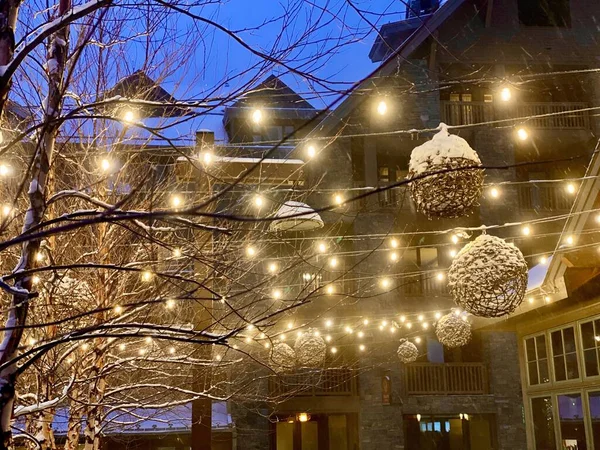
[(282, 358), (451, 194), (452, 331), (488, 277), (407, 351), (310, 350)]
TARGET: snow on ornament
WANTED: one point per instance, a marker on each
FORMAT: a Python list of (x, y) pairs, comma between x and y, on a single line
[(310, 350), (488, 277), (450, 194), (282, 358), (452, 331), (407, 351)]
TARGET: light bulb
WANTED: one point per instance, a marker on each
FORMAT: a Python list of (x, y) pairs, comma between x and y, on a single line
[(402, 319), (338, 199), (311, 151), (322, 247), (328, 323), (129, 116), (39, 256), (366, 322), (569, 240), (105, 165), (273, 267), (348, 330), (35, 279), (526, 231), (494, 193), (170, 304), (122, 347), (148, 339), (409, 325), (440, 276), (333, 262), (384, 323), (85, 347), (118, 309), (146, 275), (547, 299), (333, 350), (328, 338), (425, 325), (454, 239), (522, 134), (438, 315), (394, 243), (543, 260), (394, 256), (176, 201), (418, 340), (362, 347), (571, 189), (330, 289), (258, 200), (290, 325), (257, 116), (207, 158), (452, 253), (420, 318), (4, 170), (530, 300), (382, 108), (172, 350), (142, 351), (250, 251), (276, 294), (505, 94), (360, 334), (6, 210)]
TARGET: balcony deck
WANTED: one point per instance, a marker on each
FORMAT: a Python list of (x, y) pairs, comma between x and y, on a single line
[(446, 379)]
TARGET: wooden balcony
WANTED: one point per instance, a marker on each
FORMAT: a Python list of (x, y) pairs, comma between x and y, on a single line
[(561, 116), (325, 382), (544, 197), (446, 379), (418, 285)]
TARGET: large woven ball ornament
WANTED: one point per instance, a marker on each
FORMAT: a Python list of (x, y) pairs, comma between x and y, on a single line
[(452, 331), (448, 194), (282, 358), (488, 277), (407, 351), (310, 350)]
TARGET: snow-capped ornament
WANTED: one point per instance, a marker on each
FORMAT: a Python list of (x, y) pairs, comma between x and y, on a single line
[(407, 351), (488, 277), (450, 194), (453, 331), (282, 358), (310, 350)]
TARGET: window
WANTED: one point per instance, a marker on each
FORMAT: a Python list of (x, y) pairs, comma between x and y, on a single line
[(545, 13), (572, 428), (594, 413), (590, 339), (537, 360), (543, 423), (564, 353)]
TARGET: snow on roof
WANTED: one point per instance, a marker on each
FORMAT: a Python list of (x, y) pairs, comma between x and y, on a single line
[(296, 216), (151, 421), (537, 275)]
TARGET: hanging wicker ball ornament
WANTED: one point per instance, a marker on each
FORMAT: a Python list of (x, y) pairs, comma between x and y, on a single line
[(310, 350), (407, 351), (450, 194), (452, 331), (488, 277), (282, 358)]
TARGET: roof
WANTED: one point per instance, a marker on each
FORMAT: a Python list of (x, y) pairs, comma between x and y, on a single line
[(140, 86), (273, 93), (391, 35), (429, 24)]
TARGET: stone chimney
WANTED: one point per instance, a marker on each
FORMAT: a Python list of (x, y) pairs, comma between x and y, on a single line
[(205, 140)]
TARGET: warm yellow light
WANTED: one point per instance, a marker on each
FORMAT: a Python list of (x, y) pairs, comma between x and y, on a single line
[(569, 240), (32, 341), (250, 251), (273, 267), (6, 210), (394, 243), (452, 253), (328, 323), (257, 116), (392, 329), (362, 347), (438, 315), (39, 256), (171, 350), (334, 350), (366, 322), (322, 247), (303, 417), (290, 325), (176, 201), (526, 231), (360, 334), (597, 218), (425, 325), (330, 289), (409, 325), (440, 276), (4, 170), (85, 347), (328, 338), (282, 337), (128, 116), (418, 417), (420, 317), (311, 151), (267, 344), (454, 239), (148, 339), (35, 279), (505, 94), (142, 351), (248, 340), (207, 157), (571, 189), (530, 300), (146, 275), (402, 319), (338, 199), (385, 283), (333, 262), (394, 256), (348, 330), (543, 260), (276, 294), (522, 134), (223, 299), (382, 108), (547, 299), (418, 340), (258, 200), (177, 253), (118, 309), (170, 304), (250, 327), (384, 323), (494, 192)]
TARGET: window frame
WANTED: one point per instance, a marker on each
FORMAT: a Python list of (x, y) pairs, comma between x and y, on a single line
[(550, 369), (582, 349), (578, 352)]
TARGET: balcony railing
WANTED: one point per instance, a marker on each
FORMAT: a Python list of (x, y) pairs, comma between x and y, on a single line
[(560, 115), (423, 285), (544, 198), (315, 383), (446, 379)]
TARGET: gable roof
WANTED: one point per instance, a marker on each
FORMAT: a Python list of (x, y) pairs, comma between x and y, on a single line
[(273, 93), (429, 24)]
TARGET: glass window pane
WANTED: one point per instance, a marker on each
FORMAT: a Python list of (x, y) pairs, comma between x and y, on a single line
[(543, 423), (557, 346), (559, 368), (594, 398), (541, 346), (572, 428), (533, 373), (530, 349), (338, 436), (285, 436), (587, 335), (569, 339), (572, 369), (591, 362), (543, 368), (310, 435)]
